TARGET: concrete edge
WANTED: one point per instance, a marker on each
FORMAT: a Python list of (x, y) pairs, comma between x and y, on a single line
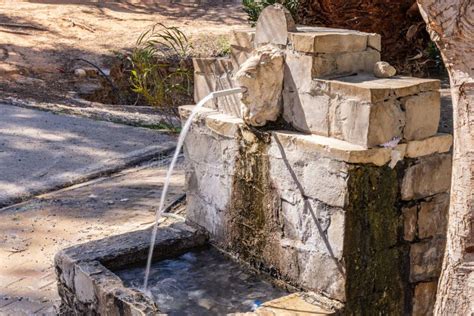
[(94, 171)]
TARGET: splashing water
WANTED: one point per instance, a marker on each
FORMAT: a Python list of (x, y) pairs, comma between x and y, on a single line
[(181, 138)]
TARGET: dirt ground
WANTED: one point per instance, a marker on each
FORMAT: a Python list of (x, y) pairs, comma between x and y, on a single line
[(31, 233), (40, 39)]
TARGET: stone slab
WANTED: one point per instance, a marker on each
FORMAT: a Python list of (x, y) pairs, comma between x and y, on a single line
[(273, 25), (426, 258), (367, 87), (296, 303), (428, 176), (42, 151), (336, 149), (439, 143), (328, 40), (433, 216)]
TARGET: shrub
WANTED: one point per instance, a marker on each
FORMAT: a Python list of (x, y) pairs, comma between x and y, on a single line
[(161, 71)]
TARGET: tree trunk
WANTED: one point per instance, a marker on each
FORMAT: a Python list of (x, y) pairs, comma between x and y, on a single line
[(451, 26)]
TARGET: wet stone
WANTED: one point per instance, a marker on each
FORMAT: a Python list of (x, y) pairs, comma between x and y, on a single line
[(202, 282)]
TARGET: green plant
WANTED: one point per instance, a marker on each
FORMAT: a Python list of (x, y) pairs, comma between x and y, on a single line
[(161, 71), (253, 8)]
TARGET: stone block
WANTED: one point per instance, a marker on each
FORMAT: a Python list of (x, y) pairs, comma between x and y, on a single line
[(83, 286), (428, 176), (374, 41), (327, 40), (367, 87), (410, 217), (315, 225), (366, 124), (426, 258), (422, 115), (350, 63), (299, 303), (307, 112), (243, 38), (239, 55), (301, 68), (296, 169), (213, 66), (439, 143), (203, 85), (433, 216), (424, 298), (321, 146), (273, 25)]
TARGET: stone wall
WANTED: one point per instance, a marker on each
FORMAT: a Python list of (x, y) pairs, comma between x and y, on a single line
[(323, 214)]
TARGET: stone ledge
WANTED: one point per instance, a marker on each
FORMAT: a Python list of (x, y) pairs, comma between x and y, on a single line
[(337, 149), (367, 87), (329, 40), (439, 143)]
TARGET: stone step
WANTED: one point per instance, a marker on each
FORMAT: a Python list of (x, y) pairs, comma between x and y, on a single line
[(362, 109)]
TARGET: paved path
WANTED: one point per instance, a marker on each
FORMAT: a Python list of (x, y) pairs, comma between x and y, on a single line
[(32, 232), (41, 151)]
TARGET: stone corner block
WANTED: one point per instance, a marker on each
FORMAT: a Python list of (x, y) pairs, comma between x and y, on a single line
[(439, 143), (428, 176)]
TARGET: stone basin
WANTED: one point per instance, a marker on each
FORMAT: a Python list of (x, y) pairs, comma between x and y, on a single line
[(203, 281), (188, 277)]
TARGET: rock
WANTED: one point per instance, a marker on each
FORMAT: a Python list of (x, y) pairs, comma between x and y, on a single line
[(410, 215), (433, 216), (428, 176), (424, 298), (422, 115), (440, 143), (328, 40), (79, 72), (273, 25), (426, 258), (382, 69), (241, 45), (261, 77)]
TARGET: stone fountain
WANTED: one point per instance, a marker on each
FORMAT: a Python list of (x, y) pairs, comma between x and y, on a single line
[(329, 181)]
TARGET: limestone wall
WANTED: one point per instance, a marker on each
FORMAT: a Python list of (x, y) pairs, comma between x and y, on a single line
[(323, 214)]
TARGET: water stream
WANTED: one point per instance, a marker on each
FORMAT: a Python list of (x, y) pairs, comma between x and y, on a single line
[(164, 192)]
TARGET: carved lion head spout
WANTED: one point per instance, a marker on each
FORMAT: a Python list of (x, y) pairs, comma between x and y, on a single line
[(261, 78)]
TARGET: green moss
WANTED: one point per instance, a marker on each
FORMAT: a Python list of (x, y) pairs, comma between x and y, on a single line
[(251, 218), (374, 255)]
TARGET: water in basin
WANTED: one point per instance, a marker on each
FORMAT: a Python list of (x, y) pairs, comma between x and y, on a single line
[(202, 282)]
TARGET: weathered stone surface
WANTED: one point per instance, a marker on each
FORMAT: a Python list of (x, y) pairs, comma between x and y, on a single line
[(333, 148), (203, 85), (365, 124), (382, 69), (243, 38), (367, 87), (273, 25), (433, 216), (301, 303), (428, 176), (261, 77), (328, 40), (374, 41), (422, 115), (241, 46), (303, 68), (212, 66), (410, 218), (439, 143), (424, 298), (307, 112), (426, 258)]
